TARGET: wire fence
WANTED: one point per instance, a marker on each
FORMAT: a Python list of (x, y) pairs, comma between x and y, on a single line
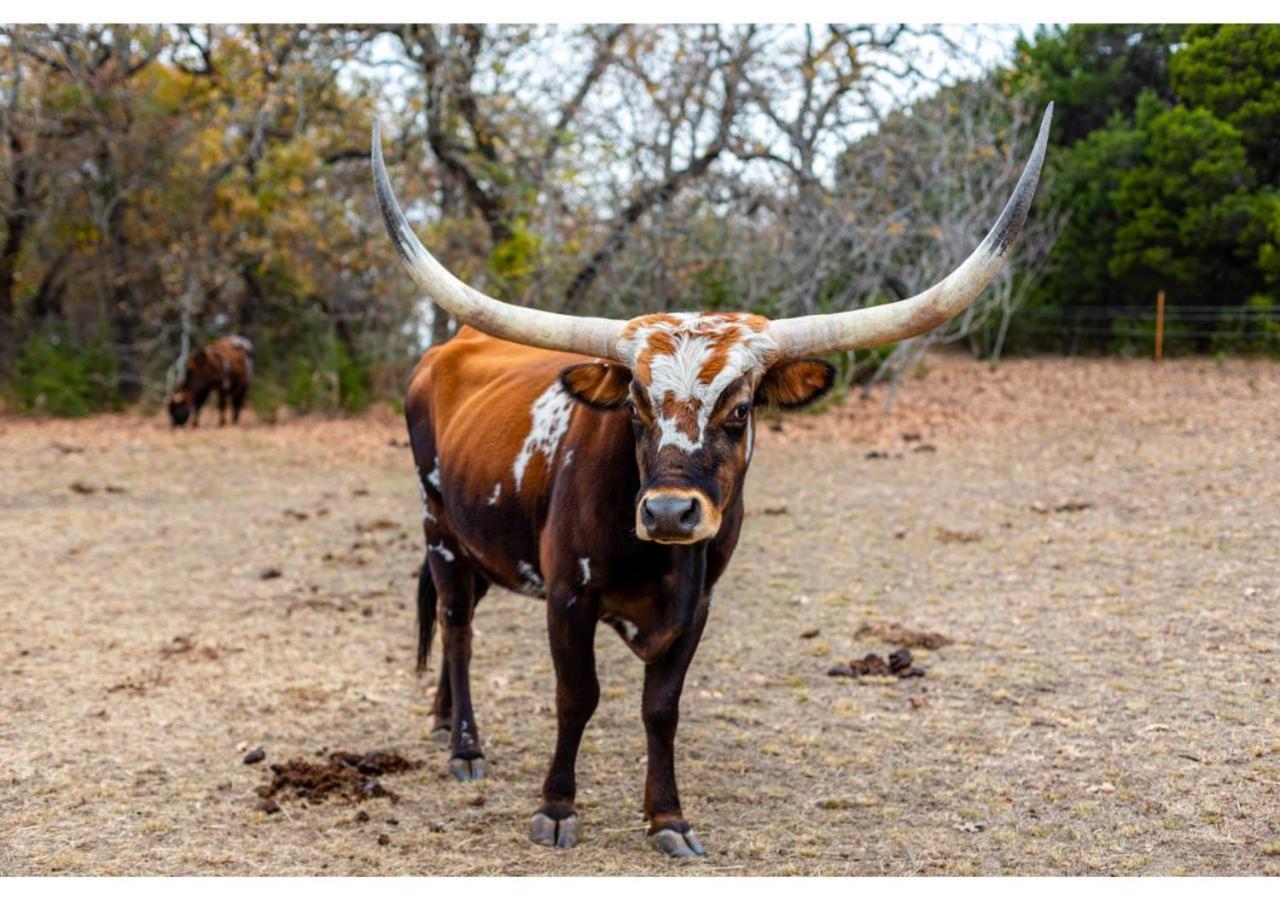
[(1224, 324)]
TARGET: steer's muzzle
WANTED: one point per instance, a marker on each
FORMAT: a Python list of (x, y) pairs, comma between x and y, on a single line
[(675, 517)]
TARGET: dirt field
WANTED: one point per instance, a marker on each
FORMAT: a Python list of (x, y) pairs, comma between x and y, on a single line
[(1099, 539)]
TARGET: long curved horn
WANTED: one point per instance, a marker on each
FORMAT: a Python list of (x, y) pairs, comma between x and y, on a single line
[(534, 327), (872, 326)]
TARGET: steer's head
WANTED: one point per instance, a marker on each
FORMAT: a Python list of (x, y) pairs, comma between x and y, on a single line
[(179, 408), (693, 380), (691, 384)]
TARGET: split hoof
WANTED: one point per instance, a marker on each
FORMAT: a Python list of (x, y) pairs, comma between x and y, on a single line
[(559, 833), (675, 844), (467, 769), (440, 734)]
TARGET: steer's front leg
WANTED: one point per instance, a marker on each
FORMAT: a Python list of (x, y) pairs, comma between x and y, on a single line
[(663, 684), (571, 624)]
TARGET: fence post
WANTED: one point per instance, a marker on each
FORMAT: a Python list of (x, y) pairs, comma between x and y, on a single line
[(1159, 325)]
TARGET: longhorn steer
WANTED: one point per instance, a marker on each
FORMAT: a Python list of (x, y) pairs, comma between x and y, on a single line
[(599, 465), (225, 366)]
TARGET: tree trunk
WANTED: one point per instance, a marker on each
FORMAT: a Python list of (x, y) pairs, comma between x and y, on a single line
[(124, 319)]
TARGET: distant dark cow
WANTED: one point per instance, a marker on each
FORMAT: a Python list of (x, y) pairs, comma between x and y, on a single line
[(600, 466), (225, 366)]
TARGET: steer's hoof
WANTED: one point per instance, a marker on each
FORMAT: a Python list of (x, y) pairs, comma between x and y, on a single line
[(467, 769), (549, 832), (673, 843), (440, 734)]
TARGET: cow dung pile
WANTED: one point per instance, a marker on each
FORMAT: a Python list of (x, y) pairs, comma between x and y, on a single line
[(894, 633), (351, 776), (898, 664)]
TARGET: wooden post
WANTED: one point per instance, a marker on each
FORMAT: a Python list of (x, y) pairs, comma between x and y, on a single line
[(1159, 325)]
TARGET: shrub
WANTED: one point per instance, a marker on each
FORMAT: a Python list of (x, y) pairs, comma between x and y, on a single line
[(54, 376)]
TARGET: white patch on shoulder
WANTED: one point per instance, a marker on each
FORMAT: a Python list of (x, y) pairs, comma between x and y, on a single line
[(531, 582), (585, 564), (439, 548), (550, 421), (497, 492)]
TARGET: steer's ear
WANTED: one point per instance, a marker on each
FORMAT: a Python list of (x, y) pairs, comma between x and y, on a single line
[(795, 383), (603, 385)]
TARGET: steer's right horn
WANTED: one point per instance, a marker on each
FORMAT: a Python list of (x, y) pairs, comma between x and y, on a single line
[(537, 328)]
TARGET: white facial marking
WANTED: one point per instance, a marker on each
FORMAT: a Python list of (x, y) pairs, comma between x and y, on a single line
[(531, 581), (439, 548), (497, 492), (677, 374), (550, 421), (751, 435), (585, 564)]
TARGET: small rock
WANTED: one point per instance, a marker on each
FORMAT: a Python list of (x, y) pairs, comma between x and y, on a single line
[(775, 510), (362, 816), (811, 633), (384, 840), (269, 572), (269, 806), (256, 755), (392, 820), (81, 487), (437, 827), (1073, 506)]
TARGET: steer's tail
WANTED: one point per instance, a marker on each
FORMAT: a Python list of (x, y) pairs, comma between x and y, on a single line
[(426, 615)]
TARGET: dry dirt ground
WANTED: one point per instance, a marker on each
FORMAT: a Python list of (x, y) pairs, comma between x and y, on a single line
[(1099, 539)]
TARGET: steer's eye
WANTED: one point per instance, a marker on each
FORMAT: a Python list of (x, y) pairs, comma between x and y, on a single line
[(739, 414)]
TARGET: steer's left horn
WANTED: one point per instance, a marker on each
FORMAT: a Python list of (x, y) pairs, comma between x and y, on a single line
[(872, 326), (534, 327)]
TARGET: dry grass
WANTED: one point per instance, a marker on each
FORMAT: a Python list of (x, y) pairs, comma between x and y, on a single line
[(1108, 704)]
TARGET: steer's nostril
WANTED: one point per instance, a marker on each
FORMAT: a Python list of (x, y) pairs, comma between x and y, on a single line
[(689, 517), (646, 515)]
